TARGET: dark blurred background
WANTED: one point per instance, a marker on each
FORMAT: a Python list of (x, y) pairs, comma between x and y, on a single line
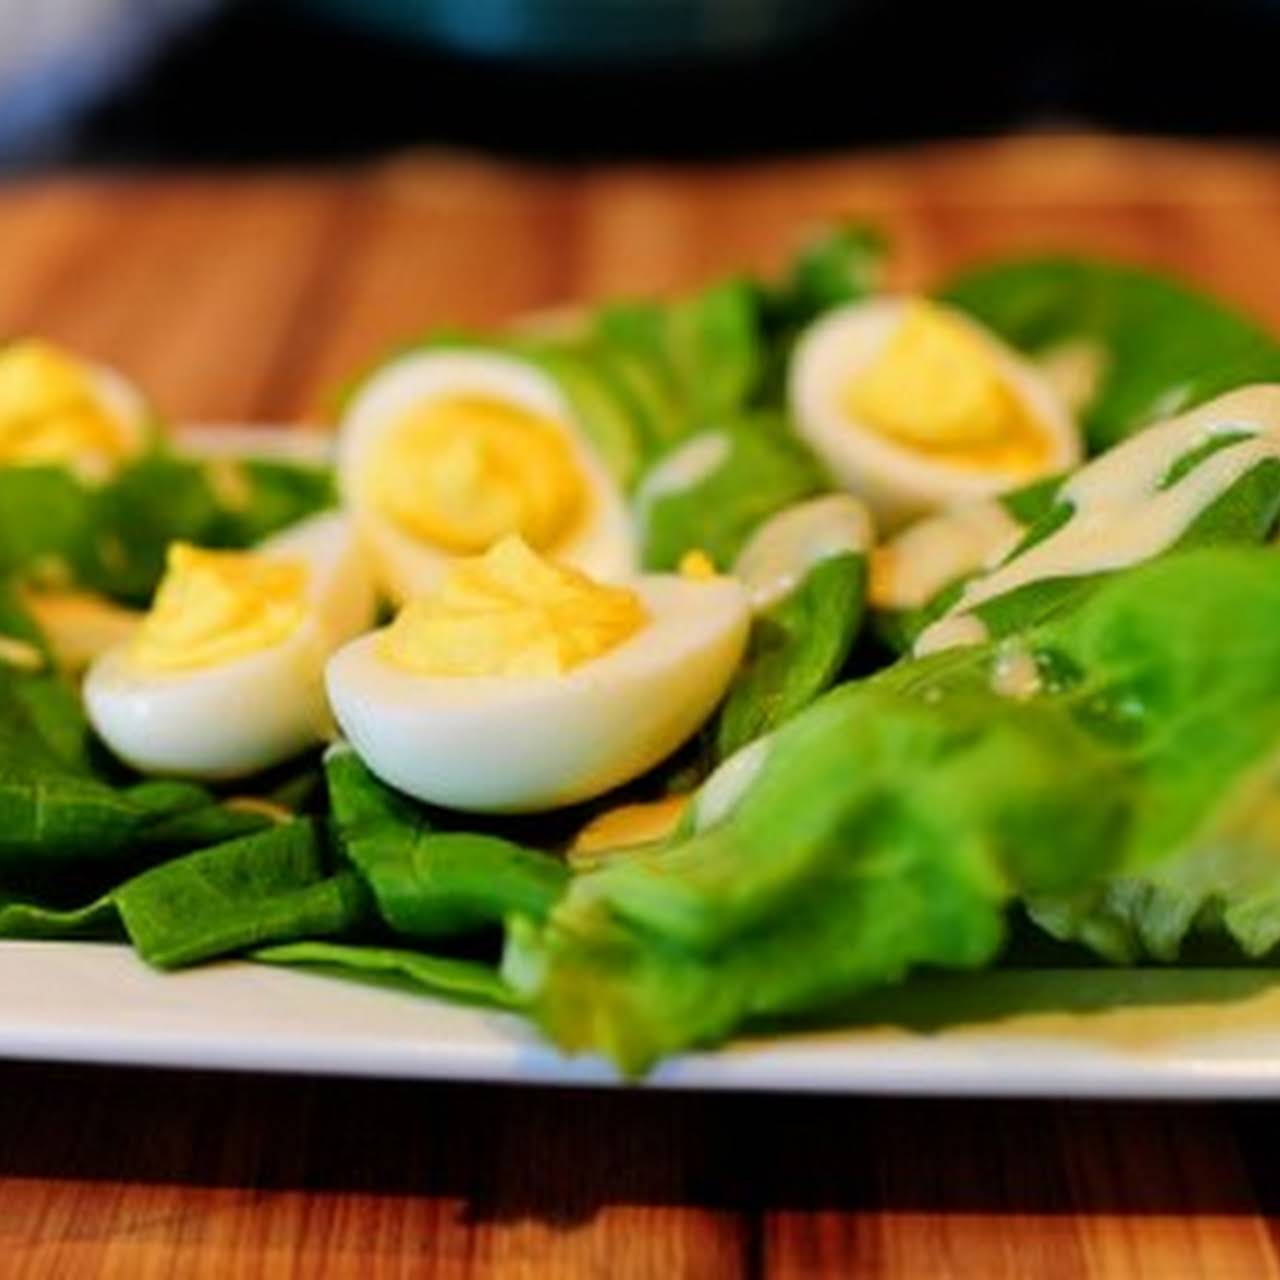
[(109, 82)]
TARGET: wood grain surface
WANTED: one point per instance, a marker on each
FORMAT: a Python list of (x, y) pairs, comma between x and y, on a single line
[(251, 297)]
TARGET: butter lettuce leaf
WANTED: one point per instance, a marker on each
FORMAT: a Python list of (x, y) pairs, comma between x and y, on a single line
[(871, 834), (1171, 665), (1180, 663)]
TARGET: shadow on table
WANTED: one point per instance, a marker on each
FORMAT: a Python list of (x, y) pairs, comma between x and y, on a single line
[(560, 1156)]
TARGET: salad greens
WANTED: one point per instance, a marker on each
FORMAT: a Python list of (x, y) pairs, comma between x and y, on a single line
[(1170, 665), (741, 472), (275, 886), (856, 815), (874, 833), (59, 807), (452, 977), (429, 882), (796, 651), (112, 538)]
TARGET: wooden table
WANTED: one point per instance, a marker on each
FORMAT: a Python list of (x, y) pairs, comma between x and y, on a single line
[(249, 297)]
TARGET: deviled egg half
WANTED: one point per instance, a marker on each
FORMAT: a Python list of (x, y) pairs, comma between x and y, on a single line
[(58, 409), (444, 453), (522, 684), (912, 406), (224, 676)]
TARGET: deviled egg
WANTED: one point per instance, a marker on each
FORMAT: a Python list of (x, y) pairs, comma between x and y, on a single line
[(522, 684), (912, 406), (443, 453), (224, 676), (57, 409)]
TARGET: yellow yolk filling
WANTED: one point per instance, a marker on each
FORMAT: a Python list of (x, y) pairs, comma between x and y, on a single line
[(51, 412), (697, 566), (511, 613), (629, 825), (935, 387), (213, 606), (462, 472)]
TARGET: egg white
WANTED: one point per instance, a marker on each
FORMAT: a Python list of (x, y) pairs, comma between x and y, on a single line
[(895, 480), (495, 744), (603, 543), (240, 716)]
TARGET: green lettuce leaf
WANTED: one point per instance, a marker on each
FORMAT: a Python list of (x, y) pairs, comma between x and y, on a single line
[(716, 345), (1180, 663), (796, 651), (1171, 666), (871, 834), (163, 498), (839, 265), (708, 349), (21, 918), (468, 981), (40, 702), (430, 882), (47, 523), (112, 538), (61, 803), (275, 886), (267, 496), (763, 469)]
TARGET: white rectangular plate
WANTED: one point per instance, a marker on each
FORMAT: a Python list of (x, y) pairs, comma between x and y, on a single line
[(1144, 1033), (1201, 1034)]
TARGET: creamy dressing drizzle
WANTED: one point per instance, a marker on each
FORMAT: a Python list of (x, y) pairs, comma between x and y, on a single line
[(22, 655), (1075, 370), (786, 547), (723, 790), (1015, 673), (951, 632), (79, 626), (687, 468), (1121, 515), (909, 571)]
